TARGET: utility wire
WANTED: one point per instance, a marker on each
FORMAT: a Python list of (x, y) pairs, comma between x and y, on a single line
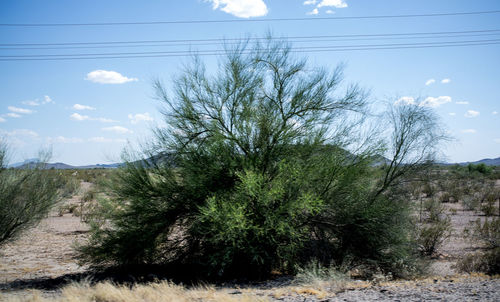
[(248, 20), (218, 52), (203, 42), (223, 51)]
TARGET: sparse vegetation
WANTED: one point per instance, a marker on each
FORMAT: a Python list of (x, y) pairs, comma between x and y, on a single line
[(26, 196), (487, 233)]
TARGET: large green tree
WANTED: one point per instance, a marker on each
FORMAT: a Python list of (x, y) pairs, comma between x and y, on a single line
[(262, 165)]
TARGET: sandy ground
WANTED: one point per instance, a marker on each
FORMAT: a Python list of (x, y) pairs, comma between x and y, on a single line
[(47, 251)]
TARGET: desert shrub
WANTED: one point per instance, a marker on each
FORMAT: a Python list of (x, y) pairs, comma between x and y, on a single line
[(434, 209), (455, 190), (431, 235), (26, 196), (488, 234), (470, 203), (479, 168), (253, 173), (435, 229), (314, 272), (445, 197), (488, 206), (70, 186), (429, 189)]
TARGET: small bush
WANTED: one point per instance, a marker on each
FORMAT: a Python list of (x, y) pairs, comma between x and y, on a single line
[(487, 233), (70, 187), (479, 168), (26, 196), (445, 197), (432, 235), (486, 262), (314, 272), (470, 203)]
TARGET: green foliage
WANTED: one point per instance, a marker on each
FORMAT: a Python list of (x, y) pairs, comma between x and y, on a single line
[(252, 174), (432, 234), (487, 233), (314, 272), (470, 203), (26, 196), (479, 168)]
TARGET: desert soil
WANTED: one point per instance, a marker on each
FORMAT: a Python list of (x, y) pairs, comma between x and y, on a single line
[(46, 252)]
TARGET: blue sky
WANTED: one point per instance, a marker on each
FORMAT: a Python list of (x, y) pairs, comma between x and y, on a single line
[(87, 110)]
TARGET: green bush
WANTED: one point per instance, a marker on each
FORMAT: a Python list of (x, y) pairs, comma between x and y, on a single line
[(479, 168), (253, 174), (488, 234), (26, 196), (432, 235)]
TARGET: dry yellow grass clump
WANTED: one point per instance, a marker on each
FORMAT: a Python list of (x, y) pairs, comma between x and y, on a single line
[(162, 291)]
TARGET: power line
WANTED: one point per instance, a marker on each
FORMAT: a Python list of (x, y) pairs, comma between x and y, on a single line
[(216, 41), (222, 50), (235, 43), (219, 52), (249, 20)]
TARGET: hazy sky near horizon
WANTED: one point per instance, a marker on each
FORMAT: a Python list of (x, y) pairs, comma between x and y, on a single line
[(55, 92)]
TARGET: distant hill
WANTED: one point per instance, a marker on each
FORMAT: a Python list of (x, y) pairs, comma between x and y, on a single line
[(378, 160), (486, 161), (26, 162), (61, 166)]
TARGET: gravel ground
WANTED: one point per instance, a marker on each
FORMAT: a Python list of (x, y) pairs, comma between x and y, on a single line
[(45, 254), (467, 288)]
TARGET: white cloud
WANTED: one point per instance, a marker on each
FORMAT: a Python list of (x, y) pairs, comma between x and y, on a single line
[(104, 120), (445, 81), (19, 110), (2, 120), (310, 2), (136, 118), (36, 102), (108, 77), (22, 132), (313, 12), (494, 113), (435, 102), (62, 139), (406, 100), (117, 129), (14, 115), (330, 12), (31, 102), (47, 99), (469, 131), (471, 113), (452, 113), (333, 3), (100, 139), (429, 82), (241, 8), (82, 107), (78, 117), (462, 103)]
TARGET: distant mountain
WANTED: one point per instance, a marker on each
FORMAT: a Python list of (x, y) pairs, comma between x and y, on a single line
[(26, 162), (486, 161), (378, 160), (61, 166)]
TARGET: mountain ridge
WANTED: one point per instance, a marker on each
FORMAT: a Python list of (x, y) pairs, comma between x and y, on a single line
[(63, 166)]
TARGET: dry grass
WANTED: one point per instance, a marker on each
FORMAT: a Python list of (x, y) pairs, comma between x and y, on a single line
[(161, 291)]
